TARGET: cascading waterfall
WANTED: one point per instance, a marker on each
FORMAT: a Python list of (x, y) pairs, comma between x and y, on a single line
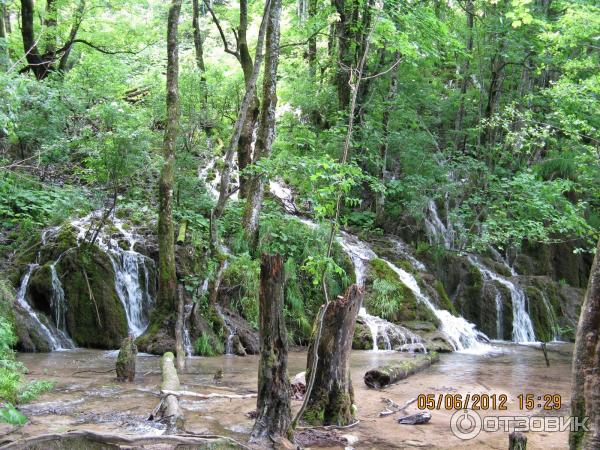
[(551, 317), (133, 292), (53, 340), (522, 326), (437, 231), (461, 333)]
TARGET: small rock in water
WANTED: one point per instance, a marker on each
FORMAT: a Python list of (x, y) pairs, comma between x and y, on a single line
[(126, 360), (218, 375), (415, 419)]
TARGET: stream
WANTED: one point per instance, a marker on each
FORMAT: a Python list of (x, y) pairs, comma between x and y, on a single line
[(88, 397)]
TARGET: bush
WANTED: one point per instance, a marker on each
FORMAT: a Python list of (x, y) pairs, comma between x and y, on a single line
[(204, 347)]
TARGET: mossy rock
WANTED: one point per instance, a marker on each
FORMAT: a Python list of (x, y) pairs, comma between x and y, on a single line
[(159, 337), (406, 307), (362, 339), (95, 319)]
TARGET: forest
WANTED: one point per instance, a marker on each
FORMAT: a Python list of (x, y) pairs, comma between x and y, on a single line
[(250, 223)]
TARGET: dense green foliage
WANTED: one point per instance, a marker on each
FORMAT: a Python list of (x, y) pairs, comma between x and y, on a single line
[(487, 108)]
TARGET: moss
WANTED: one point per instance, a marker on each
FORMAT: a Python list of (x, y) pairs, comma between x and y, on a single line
[(538, 313), (95, 315), (445, 302), (399, 304)]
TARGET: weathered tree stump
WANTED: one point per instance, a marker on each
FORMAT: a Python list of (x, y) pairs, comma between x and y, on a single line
[(169, 410), (126, 360), (385, 375), (332, 396), (273, 404), (585, 397), (517, 441)]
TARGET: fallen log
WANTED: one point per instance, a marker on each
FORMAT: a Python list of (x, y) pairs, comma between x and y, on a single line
[(168, 409), (206, 396), (415, 419), (77, 440), (389, 374)]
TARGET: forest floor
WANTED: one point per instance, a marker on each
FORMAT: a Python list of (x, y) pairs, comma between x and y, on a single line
[(87, 396)]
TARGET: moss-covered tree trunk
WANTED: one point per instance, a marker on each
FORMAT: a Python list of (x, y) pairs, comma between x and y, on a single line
[(332, 396), (585, 395), (266, 131), (167, 278), (273, 404)]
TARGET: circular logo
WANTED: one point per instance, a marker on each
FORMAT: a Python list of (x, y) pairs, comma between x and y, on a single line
[(465, 424)]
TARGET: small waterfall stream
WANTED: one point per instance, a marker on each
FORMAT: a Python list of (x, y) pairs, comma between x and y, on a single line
[(133, 293), (53, 340), (522, 326)]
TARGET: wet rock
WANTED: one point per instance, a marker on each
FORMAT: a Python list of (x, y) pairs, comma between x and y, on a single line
[(248, 337), (29, 337), (362, 339), (126, 360), (95, 316), (437, 342), (419, 325), (236, 346)]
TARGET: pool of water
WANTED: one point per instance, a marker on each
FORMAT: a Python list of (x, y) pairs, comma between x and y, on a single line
[(87, 396)]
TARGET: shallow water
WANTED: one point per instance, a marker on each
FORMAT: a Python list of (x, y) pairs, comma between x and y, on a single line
[(87, 395)]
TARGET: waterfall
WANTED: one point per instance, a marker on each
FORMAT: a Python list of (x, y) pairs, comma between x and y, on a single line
[(58, 305), (51, 337), (461, 333), (551, 317), (522, 326), (187, 341), (230, 331), (437, 231), (129, 267)]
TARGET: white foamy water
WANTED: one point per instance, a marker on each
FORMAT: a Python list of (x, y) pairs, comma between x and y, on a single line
[(522, 326), (132, 271)]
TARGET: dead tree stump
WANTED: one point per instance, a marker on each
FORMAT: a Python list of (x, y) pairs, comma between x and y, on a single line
[(517, 441), (273, 404), (332, 396), (126, 360)]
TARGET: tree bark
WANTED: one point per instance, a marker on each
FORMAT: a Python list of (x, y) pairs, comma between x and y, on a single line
[(167, 277), (77, 19), (237, 130), (461, 139), (197, 36), (266, 132), (247, 134), (125, 365), (312, 41), (385, 141), (170, 412), (273, 403), (179, 324), (585, 394), (517, 441), (385, 375), (50, 21), (332, 397), (3, 40), (36, 63)]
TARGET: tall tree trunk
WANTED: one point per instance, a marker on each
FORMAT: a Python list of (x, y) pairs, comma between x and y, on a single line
[(50, 21), (77, 19), (3, 40), (332, 397), (197, 36), (585, 394), (497, 66), (312, 41), (273, 403), (461, 138), (247, 134), (237, 130), (167, 277), (179, 330), (36, 63), (385, 141), (266, 132), (7, 24)]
